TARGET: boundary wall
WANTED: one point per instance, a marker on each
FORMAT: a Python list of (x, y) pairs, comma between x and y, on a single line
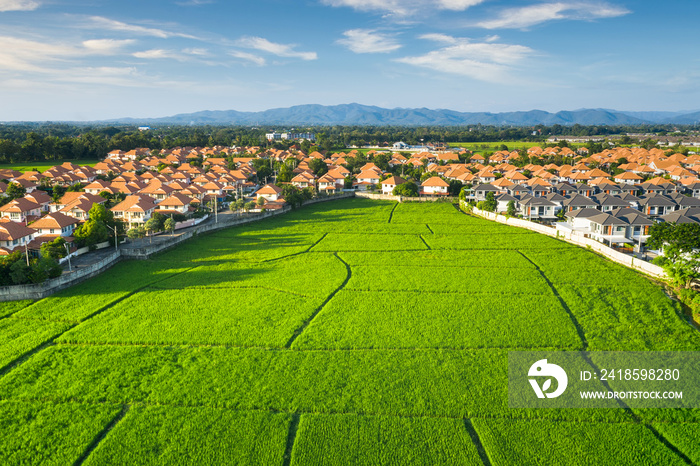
[(577, 239)]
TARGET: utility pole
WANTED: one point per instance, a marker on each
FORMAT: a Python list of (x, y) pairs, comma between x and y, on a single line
[(26, 253), (216, 209), (116, 239), (70, 269)]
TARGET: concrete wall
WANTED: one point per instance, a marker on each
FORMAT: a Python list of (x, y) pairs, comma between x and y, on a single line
[(579, 240), (51, 286), (389, 197)]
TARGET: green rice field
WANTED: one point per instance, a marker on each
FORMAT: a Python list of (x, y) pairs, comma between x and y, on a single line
[(43, 165), (350, 332)]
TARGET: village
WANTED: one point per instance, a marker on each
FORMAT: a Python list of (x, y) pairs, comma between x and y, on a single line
[(616, 209)]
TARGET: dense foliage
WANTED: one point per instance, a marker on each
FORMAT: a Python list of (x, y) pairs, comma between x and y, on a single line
[(55, 141)]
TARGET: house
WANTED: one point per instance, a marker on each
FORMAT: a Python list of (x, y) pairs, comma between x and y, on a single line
[(19, 210), (628, 178), (367, 178), (327, 183), (577, 201), (537, 208), (657, 205), (55, 224), (176, 203), (303, 180), (479, 192), (14, 235), (135, 210), (77, 205), (269, 192), (390, 183), (609, 229), (434, 186), (41, 198), (578, 220), (502, 202)]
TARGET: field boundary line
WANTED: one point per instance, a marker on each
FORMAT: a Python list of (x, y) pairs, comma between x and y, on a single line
[(101, 436), (316, 243), (391, 214), (302, 350), (426, 244), (429, 229), (223, 288), (631, 420), (291, 438), (130, 294), (667, 443), (306, 323), (573, 318), (480, 292), (22, 358), (305, 251), (476, 440)]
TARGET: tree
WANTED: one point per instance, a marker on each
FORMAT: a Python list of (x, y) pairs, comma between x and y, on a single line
[(260, 202), (55, 249), (240, 203), (292, 195), (318, 167), (511, 209), (285, 173), (681, 248), (133, 234), (490, 203), (169, 225), (15, 191), (152, 225), (454, 188), (91, 233), (20, 272), (249, 206), (407, 189), (43, 268)]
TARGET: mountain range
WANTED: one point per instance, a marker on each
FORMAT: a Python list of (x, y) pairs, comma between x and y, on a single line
[(356, 114)]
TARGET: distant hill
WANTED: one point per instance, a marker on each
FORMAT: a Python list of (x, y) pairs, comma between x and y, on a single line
[(356, 114)]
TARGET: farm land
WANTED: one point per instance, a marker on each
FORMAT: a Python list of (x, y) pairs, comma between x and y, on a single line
[(350, 332)]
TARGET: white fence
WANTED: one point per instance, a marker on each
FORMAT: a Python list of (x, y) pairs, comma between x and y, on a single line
[(577, 239)]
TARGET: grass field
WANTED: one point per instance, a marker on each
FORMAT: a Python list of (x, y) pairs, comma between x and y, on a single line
[(43, 165), (496, 146), (346, 332)]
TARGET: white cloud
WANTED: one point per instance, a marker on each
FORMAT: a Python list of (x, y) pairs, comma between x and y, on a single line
[(484, 61), (281, 50), (99, 22), (520, 18), (369, 41), (107, 46), (18, 5), (260, 61), (442, 38), (196, 51), (403, 7), (156, 53), (30, 56)]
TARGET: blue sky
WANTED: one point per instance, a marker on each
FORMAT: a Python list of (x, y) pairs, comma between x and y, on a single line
[(94, 59)]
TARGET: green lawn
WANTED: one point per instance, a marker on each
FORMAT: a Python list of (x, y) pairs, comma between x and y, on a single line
[(346, 332), (495, 146), (43, 165)]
